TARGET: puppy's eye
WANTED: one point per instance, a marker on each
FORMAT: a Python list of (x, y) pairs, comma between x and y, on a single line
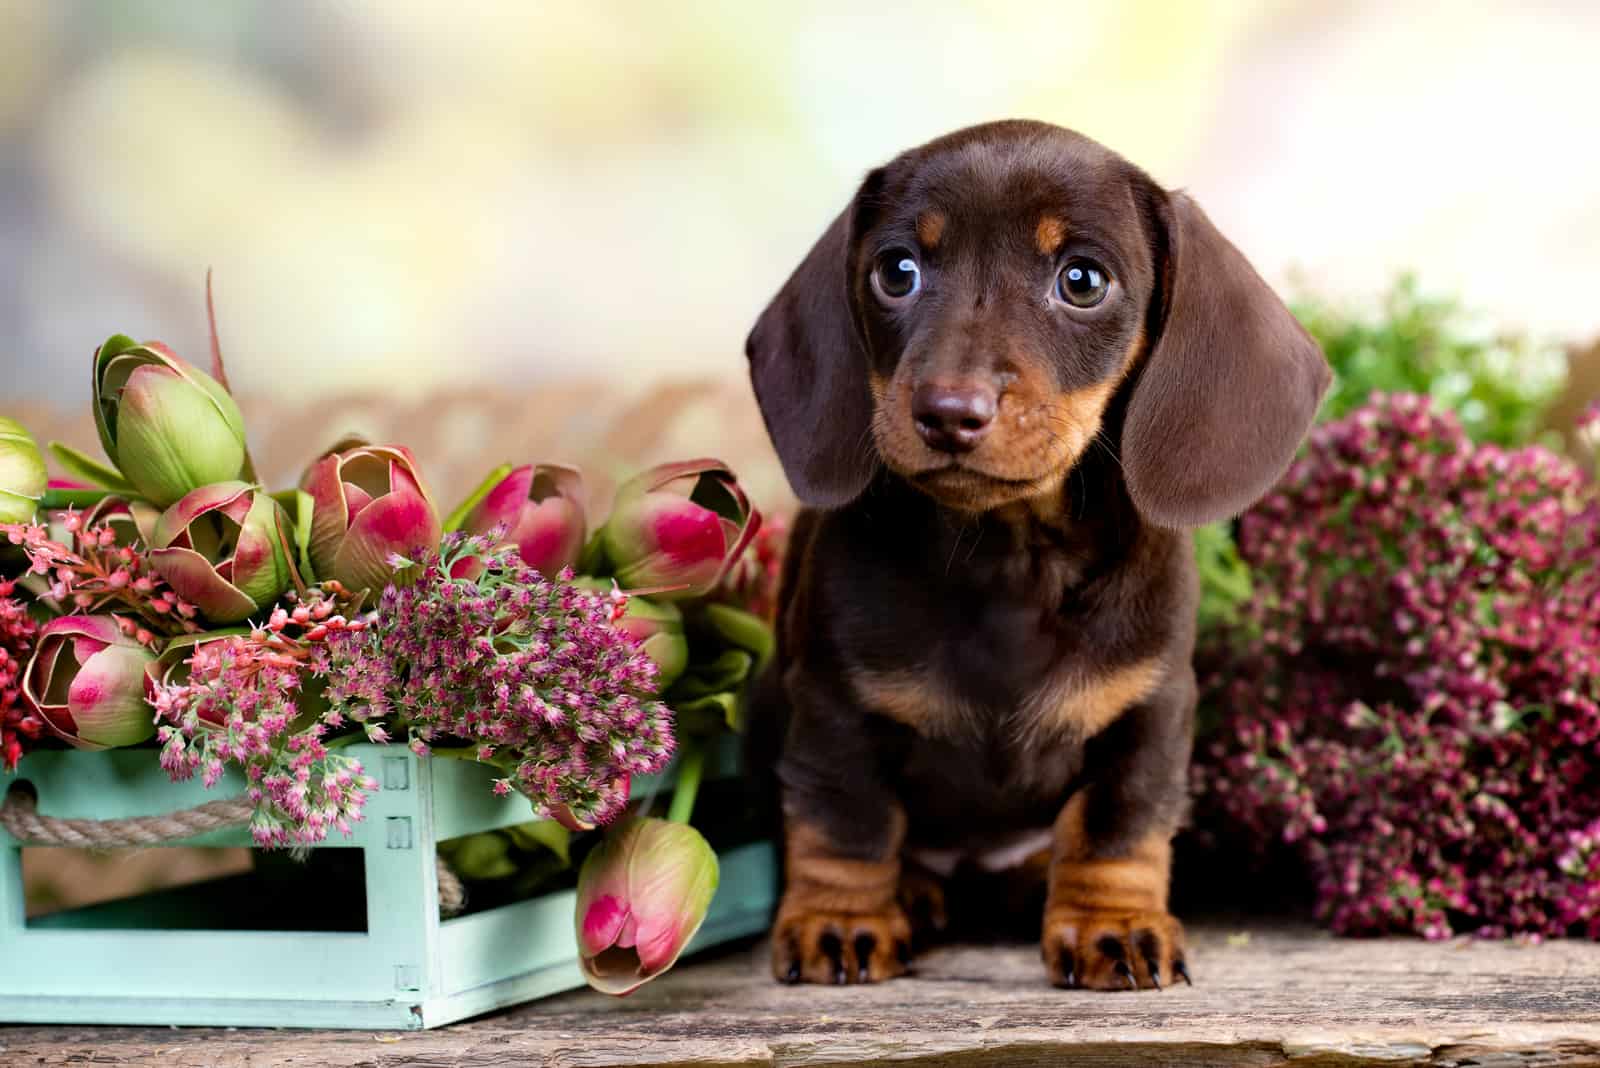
[(896, 275), (1082, 283)]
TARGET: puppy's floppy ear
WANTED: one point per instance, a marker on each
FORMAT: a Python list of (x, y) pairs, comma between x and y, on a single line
[(1229, 389), (809, 370)]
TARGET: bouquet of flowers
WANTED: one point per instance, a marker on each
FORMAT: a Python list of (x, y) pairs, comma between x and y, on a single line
[(167, 598)]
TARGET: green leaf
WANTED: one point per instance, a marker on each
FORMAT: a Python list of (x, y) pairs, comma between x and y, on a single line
[(744, 629), (710, 714), (727, 672), (81, 465), (459, 515), (299, 506), (538, 835)]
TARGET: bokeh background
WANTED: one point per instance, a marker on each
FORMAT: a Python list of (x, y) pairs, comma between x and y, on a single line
[(409, 195)]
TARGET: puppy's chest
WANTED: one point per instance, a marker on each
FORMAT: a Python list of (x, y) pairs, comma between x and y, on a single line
[(1006, 676)]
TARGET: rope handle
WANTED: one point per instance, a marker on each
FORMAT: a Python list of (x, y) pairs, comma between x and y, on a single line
[(21, 819)]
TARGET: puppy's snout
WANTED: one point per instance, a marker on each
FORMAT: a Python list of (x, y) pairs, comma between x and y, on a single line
[(954, 418)]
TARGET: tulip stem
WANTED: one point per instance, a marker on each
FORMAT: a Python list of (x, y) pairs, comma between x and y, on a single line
[(56, 499), (691, 765)]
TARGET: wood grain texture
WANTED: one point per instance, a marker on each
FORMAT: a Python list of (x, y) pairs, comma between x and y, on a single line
[(1290, 996)]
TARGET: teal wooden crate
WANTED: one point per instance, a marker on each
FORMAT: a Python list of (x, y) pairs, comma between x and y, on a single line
[(151, 960)]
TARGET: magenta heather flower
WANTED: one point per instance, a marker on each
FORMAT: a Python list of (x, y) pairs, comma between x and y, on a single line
[(20, 726), (1411, 702), (237, 699), (507, 659)]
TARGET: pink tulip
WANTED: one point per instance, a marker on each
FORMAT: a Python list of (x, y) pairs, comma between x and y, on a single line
[(678, 528), (369, 505), (540, 510), (87, 681), (225, 549), (642, 895)]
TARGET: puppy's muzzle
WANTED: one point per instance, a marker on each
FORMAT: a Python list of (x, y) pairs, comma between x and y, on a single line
[(954, 418)]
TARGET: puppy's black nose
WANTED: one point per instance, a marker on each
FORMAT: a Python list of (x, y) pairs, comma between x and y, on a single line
[(953, 418)]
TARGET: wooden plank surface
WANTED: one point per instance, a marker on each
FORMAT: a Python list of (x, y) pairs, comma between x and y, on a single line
[(1281, 996)]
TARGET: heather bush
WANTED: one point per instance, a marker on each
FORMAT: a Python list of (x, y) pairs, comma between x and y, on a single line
[(1406, 703)]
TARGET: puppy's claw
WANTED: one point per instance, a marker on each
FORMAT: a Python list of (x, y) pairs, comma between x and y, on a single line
[(1181, 970), (1069, 969), (865, 944), (834, 948), (792, 976), (1125, 973), (1155, 972)]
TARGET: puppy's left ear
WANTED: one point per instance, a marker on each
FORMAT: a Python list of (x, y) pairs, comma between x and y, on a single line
[(1229, 389)]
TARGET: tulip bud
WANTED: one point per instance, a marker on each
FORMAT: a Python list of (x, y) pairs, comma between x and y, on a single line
[(677, 528), (658, 628), (23, 477), (168, 426), (132, 521), (642, 895), (540, 510), (224, 549), (369, 505), (87, 681)]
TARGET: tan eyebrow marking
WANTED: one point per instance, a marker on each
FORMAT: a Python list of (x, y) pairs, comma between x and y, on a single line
[(1049, 235), (930, 228)]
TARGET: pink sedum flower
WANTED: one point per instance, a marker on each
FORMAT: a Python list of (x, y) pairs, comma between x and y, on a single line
[(678, 528), (87, 681), (370, 505), (539, 509), (1411, 704), (642, 894)]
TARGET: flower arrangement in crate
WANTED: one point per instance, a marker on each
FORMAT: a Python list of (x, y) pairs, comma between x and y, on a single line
[(169, 599)]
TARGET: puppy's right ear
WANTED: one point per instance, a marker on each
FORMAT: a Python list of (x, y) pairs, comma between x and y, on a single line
[(809, 369)]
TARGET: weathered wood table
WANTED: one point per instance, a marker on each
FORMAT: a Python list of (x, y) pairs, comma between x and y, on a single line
[(1279, 996)]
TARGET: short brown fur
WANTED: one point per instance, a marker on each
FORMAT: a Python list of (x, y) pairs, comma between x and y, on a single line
[(930, 228)]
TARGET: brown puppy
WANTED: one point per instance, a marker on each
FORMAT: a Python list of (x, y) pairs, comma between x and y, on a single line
[(1008, 379)]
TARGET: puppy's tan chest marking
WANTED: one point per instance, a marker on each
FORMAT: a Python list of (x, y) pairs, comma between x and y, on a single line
[(913, 697), (1079, 704), (1084, 704)]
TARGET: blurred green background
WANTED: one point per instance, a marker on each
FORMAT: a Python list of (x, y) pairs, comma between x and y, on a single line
[(403, 196)]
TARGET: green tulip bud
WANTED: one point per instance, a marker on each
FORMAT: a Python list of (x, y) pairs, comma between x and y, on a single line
[(22, 474)]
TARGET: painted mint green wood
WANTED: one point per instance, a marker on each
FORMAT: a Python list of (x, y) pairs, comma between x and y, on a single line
[(143, 961)]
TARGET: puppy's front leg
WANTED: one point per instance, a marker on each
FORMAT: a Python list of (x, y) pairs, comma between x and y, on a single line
[(1106, 925), (840, 920)]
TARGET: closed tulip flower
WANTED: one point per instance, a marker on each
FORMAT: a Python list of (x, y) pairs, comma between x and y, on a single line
[(87, 681), (540, 510), (369, 505), (224, 549), (169, 427), (677, 528), (23, 477), (642, 895), (658, 628)]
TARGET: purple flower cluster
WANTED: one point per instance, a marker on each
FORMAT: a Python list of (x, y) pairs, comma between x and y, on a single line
[(1411, 702), (240, 702), (529, 673)]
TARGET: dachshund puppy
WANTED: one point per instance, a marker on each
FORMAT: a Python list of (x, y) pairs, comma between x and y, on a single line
[(1007, 381)]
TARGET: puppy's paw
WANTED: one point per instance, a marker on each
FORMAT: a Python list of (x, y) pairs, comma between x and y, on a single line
[(1113, 950), (840, 947), (922, 897)]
